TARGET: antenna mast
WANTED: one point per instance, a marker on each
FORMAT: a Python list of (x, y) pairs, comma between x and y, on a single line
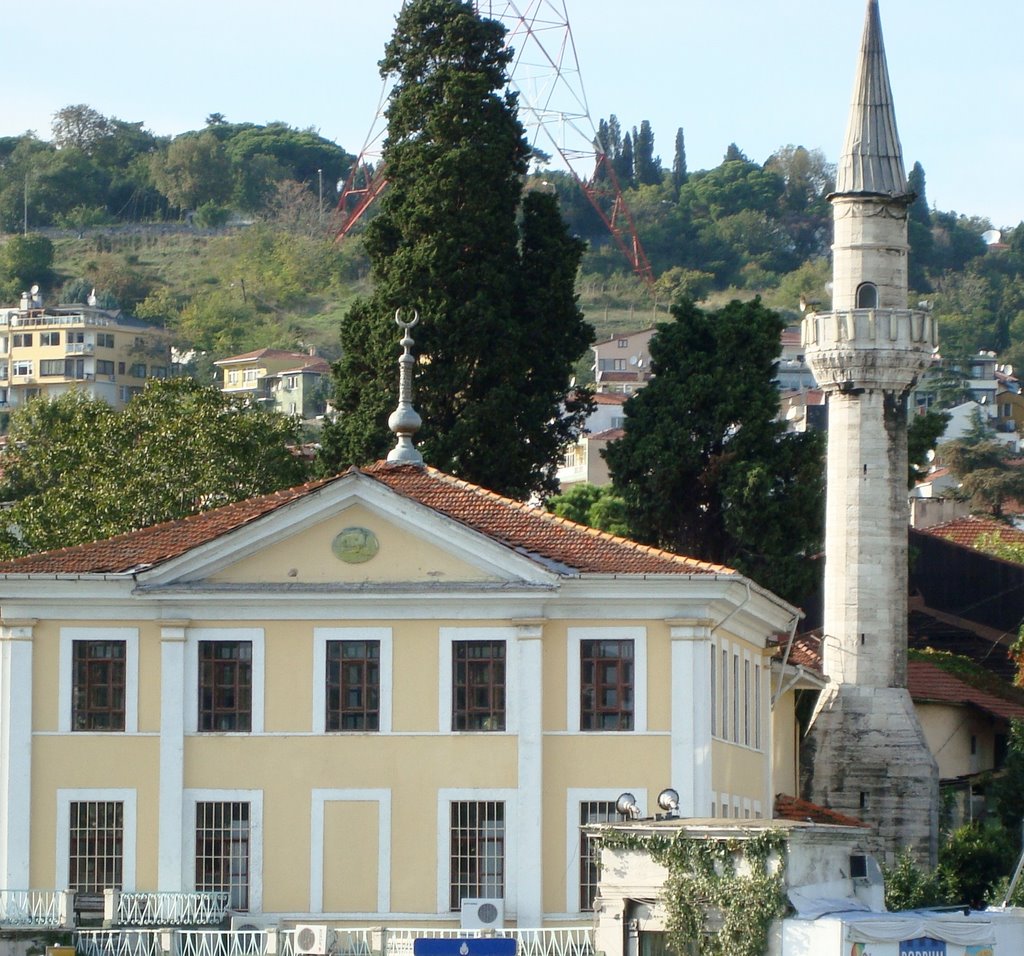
[(545, 73)]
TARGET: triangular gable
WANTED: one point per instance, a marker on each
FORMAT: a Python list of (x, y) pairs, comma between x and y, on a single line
[(319, 540)]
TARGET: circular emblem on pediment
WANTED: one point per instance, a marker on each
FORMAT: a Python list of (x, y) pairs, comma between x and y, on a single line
[(355, 545)]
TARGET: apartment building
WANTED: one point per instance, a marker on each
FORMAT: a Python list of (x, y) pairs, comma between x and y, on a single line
[(47, 351)]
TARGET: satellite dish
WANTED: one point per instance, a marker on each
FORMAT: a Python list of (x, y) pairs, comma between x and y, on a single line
[(828, 286), (639, 363), (35, 290), (633, 360), (991, 236)]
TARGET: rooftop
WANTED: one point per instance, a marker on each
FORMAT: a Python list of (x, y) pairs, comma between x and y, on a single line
[(523, 528)]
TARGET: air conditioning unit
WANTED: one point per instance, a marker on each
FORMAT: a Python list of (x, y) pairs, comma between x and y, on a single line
[(248, 923), (310, 939), (483, 914)]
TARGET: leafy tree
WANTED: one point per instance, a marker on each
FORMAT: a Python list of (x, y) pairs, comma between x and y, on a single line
[(195, 169), (27, 260), (679, 172), (78, 471), (704, 467), (79, 127), (1007, 790), (501, 326), (923, 435), (986, 476), (598, 507)]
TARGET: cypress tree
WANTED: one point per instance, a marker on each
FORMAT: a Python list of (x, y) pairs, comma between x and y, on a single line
[(500, 326), (679, 173)]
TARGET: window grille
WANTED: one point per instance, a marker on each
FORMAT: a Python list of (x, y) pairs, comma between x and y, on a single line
[(477, 859), (592, 811), (222, 850), (96, 846)]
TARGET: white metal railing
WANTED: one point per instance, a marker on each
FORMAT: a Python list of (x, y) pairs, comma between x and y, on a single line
[(119, 942), (343, 941), (556, 941), (33, 908), (171, 909)]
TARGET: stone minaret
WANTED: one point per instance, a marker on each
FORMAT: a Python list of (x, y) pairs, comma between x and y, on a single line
[(866, 753)]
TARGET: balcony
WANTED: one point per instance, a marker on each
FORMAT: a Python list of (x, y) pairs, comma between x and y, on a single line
[(79, 348)]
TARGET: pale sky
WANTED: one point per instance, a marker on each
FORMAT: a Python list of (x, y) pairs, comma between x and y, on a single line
[(762, 73)]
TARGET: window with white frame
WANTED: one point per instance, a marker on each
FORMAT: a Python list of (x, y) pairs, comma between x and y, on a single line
[(352, 685), (477, 679), (224, 693), (351, 679), (225, 686), (21, 367), (714, 693), (99, 680), (222, 850), (96, 845), (746, 702), (757, 706), (477, 850), (49, 338), (478, 685), (95, 839), (607, 679), (606, 684), (735, 697), (724, 731)]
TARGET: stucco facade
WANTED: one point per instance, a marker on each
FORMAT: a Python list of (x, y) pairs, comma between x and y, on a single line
[(360, 824)]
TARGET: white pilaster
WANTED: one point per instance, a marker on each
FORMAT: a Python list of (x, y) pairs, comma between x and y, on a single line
[(691, 716), (15, 752), (170, 872), (529, 648)]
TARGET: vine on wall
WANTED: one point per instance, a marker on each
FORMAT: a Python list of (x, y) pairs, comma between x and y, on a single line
[(709, 903)]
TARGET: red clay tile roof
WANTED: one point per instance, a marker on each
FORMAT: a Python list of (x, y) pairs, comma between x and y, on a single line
[(805, 652), (636, 375), (528, 530), (533, 530), (264, 353), (793, 808), (930, 682), (623, 335), (610, 398), (609, 434), (966, 531)]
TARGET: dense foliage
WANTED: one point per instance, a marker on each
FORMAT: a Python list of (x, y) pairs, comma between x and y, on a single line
[(491, 272), (76, 470), (704, 467), (721, 895)]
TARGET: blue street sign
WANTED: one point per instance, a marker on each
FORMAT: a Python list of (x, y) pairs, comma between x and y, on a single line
[(924, 946), (465, 946)]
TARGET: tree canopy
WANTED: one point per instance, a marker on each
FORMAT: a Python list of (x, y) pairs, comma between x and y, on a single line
[(491, 272), (76, 470), (704, 467)]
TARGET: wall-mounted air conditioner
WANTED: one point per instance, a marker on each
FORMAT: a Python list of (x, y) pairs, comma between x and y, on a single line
[(310, 939), (483, 914)]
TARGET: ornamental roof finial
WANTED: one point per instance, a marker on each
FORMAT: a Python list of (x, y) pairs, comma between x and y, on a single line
[(404, 420)]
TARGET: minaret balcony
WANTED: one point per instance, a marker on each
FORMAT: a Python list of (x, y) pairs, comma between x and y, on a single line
[(861, 349)]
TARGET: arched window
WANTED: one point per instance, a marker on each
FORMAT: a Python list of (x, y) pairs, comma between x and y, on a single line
[(867, 296)]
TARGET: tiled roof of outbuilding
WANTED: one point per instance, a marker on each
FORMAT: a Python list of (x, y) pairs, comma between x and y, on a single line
[(793, 808), (526, 529), (967, 530), (930, 682)]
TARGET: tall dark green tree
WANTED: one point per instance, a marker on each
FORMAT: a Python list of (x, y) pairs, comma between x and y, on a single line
[(624, 163), (679, 171), (704, 467), (492, 276), (646, 166), (919, 232)]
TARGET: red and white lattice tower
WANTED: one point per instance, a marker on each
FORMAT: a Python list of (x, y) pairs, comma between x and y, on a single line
[(545, 73)]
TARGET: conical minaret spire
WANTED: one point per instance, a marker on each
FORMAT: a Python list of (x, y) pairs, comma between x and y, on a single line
[(405, 420), (870, 756), (872, 160)]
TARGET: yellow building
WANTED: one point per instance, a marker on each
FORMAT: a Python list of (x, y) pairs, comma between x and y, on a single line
[(288, 382), (103, 353), (370, 699)]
